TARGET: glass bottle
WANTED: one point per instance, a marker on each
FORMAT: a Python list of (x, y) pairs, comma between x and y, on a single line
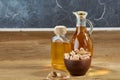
[(59, 45), (81, 38)]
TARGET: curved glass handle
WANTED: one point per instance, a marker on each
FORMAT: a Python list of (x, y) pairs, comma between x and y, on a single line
[(91, 26)]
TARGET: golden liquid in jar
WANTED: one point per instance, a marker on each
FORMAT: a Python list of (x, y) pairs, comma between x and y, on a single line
[(81, 39), (57, 54)]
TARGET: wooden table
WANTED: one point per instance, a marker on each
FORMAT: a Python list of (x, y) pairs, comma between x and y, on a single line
[(26, 56)]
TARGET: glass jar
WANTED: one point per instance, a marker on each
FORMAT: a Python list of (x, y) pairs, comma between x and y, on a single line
[(59, 45)]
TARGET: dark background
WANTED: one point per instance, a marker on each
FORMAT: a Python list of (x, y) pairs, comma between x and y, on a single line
[(48, 13)]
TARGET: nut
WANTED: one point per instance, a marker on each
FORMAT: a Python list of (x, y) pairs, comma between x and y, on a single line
[(78, 55), (72, 53), (66, 55)]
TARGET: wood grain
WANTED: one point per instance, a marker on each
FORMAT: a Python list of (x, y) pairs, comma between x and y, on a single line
[(26, 56)]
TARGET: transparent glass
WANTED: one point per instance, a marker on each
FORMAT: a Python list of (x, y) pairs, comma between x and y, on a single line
[(81, 38), (59, 45)]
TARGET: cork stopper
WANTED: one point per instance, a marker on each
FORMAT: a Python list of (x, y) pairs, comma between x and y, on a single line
[(60, 30)]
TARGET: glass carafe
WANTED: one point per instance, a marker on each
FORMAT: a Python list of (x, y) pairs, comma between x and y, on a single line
[(81, 38)]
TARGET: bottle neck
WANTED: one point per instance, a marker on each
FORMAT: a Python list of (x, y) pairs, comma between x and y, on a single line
[(81, 22), (81, 29), (59, 35), (80, 25)]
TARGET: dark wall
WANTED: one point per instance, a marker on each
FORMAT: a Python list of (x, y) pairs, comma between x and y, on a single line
[(48, 13)]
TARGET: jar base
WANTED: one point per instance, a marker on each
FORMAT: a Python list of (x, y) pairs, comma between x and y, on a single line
[(59, 67)]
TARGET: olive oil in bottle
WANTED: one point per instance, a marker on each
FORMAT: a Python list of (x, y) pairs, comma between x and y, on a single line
[(59, 45)]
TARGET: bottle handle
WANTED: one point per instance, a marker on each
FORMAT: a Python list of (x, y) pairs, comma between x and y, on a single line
[(91, 26)]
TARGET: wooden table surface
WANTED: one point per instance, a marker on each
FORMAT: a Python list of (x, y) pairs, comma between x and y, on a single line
[(26, 56)]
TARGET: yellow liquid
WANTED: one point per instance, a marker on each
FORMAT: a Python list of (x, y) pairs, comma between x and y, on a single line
[(57, 54)]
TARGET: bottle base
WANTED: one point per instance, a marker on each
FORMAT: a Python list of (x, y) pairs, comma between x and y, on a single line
[(59, 67)]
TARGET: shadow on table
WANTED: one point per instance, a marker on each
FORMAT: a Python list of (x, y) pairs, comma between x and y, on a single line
[(94, 71), (97, 71)]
